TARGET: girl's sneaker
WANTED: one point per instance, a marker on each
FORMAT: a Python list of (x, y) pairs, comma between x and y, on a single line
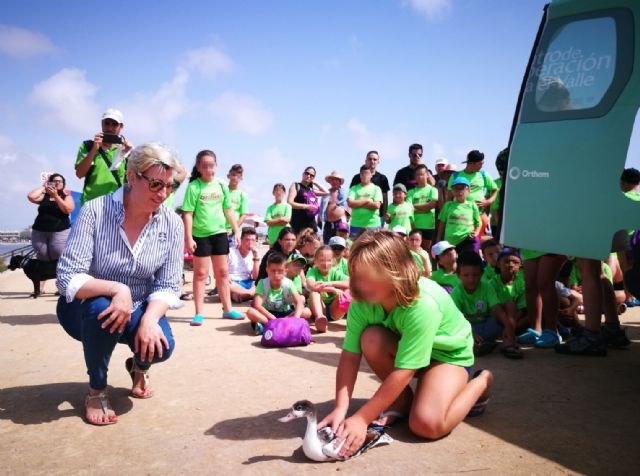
[(233, 314), (259, 329), (197, 320), (529, 337), (548, 339)]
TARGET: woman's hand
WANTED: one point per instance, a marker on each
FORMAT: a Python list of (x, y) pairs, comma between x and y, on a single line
[(191, 245), (51, 191), (150, 341), (353, 431), (333, 419), (118, 313), (236, 238)]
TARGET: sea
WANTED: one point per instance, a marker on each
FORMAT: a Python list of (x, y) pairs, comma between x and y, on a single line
[(8, 247)]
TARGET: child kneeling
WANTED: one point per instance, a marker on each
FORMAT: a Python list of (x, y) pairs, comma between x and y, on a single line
[(406, 326), (276, 296)]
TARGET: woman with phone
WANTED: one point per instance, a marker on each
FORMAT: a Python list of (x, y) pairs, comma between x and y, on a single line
[(303, 198), (51, 227)]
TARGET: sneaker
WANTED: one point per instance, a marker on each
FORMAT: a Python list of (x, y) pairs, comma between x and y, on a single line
[(529, 337), (548, 339), (583, 345), (197, 320), (616, 338), (259, 329), (233, 314)]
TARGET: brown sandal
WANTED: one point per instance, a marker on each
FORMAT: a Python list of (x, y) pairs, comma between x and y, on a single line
[(133, 369)]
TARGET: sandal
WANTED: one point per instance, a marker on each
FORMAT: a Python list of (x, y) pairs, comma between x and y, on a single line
[(481, 405), (511, 351), (396, 416), (133, 369), (186, 297), (104, 403)]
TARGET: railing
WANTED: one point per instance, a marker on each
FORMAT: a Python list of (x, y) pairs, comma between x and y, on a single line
[(26, 250)]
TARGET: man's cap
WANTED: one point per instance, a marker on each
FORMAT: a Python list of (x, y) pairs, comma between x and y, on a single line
[(442, 161), (440, 247), (114, 114), (460, 181), (508, 252)]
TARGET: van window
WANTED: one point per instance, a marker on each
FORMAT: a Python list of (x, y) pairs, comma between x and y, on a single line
[(580, 68)]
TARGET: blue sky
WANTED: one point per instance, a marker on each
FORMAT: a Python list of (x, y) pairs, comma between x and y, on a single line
[(273, 85)]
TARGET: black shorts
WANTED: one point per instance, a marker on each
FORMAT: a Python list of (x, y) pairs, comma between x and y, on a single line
[(214, 245), (427, 234)]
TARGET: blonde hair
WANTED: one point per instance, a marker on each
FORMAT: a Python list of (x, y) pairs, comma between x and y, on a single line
[(151, 154), (385, 255)]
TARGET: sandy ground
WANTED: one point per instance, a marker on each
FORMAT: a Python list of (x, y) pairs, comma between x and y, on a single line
[(217, 400)]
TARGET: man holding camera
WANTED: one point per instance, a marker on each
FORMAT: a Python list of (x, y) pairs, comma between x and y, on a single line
[(102, 161)]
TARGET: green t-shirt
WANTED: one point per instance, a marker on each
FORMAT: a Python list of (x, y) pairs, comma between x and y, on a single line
[(418, 259), (418, 196), (343, 266), (531, 254), (575, 278), (430, 328), (277, 300), (401, 215), (460, 220), (495, 206), (100, 180), (633, 195), (510, 292), (444, 279), (365, 217), (238, 201), (207, 201), (489, 273), (477, 306), (275, 211), (334, 275), (297, 282), (481, 184)]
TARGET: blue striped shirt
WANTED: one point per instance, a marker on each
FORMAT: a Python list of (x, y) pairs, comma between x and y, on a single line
[(98, 248)]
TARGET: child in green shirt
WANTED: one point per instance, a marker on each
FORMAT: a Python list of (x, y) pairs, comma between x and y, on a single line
[(415, 240), (365, 200), (508, 284), (490, 251), (446, 258), (400, 212), (326, 283), (406, 327), (237, 198), (339, 247), (424, 198), (278, 214), (276, 296), (460, 219), (477, 300)]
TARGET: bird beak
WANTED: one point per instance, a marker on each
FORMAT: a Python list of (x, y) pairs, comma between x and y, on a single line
[(287, 418)]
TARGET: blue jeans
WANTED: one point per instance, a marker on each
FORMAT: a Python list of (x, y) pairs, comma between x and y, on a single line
[(489, 329), (79, 320)]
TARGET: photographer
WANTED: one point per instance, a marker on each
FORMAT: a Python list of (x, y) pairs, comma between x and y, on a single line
[(102, 161)]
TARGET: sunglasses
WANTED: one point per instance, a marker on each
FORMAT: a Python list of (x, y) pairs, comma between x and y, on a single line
[(310, 174), (156, 185), (416, 155)]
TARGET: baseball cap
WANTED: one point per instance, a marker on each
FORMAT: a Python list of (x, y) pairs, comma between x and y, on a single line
[(337, 241), (113, 114), (508, 252), (296, 256), (399, 229), (440, 247), (400, 187), (442, 161), (474, 156), (460, 181), (343, 226)]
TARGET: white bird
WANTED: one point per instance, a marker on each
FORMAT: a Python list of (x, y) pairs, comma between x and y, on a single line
[(321, 445)]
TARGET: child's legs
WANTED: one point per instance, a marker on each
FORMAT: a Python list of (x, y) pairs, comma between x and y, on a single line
[(609, 302), (591, 271), (534, 300), (316, 304), (548, 271), (221, 274), (489, 329), (379, 347), (256, 316), (335, 313), (306, 313), (239, 293), (200, 273), (444, 397)]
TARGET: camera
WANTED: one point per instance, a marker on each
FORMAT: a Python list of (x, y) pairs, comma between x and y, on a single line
[(51, 184), (112, 139)]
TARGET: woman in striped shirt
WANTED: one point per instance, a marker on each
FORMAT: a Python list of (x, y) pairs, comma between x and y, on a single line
[(119, 274)]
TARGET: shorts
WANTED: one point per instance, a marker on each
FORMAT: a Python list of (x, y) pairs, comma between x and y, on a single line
[(469, 245), (489, 329), (281, 314), (427, 235), (244, 283), (213, 245)]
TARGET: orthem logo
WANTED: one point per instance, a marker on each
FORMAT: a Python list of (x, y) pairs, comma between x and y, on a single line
[(515, 173)]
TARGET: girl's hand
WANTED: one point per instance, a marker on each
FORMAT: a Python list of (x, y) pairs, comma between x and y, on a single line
[(191, 245), (150, 341), (118, 313), (353, 431), (333, 419)]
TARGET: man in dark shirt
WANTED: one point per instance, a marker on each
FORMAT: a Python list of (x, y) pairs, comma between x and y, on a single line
[(407, 175), (372, 160)]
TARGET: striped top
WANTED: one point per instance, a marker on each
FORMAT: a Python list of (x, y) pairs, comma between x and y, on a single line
[(98, 248)]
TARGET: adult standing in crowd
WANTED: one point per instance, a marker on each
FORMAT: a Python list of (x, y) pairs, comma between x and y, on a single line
[(407, 175), (372, 160), (440, 166), (101, 163), (51, 227), (119, 274), (483, 190), (304, 201), (333, 207)]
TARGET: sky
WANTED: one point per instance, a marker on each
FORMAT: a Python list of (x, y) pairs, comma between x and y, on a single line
[(275, 86)]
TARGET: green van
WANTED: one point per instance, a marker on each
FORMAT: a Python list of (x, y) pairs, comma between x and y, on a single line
[(571, 133)]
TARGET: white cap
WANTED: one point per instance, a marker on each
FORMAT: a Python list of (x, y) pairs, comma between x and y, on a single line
[(440, 247), (442, 161), (113, 114), (399, 229), (337, 241)]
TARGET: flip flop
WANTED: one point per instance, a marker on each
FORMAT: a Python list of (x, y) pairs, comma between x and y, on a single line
[(511, 351), (104, 403), (133, 369), (389, 413), (186, 297), (481, 405), (233, 315)]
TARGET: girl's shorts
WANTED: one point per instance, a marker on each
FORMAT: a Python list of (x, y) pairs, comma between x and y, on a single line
[(213, 245)]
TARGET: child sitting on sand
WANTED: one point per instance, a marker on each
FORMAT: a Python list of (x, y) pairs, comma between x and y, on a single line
[(326, 283), (339, 246), (478, 302), (276, 296), (490, 250), (295, 271), (414, 241), (406, 327), (446, 258), (508, 284)]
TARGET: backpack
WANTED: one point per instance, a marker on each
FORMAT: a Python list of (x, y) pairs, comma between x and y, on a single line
[(286, 332), (310, 198)]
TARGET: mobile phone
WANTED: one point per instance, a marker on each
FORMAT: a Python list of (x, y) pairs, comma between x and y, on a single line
[(112, 139), (51, 184)]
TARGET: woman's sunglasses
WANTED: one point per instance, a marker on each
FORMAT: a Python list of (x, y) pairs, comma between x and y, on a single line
[(156, 185)]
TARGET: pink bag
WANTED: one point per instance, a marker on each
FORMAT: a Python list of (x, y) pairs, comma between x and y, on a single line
[(344, 301)]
